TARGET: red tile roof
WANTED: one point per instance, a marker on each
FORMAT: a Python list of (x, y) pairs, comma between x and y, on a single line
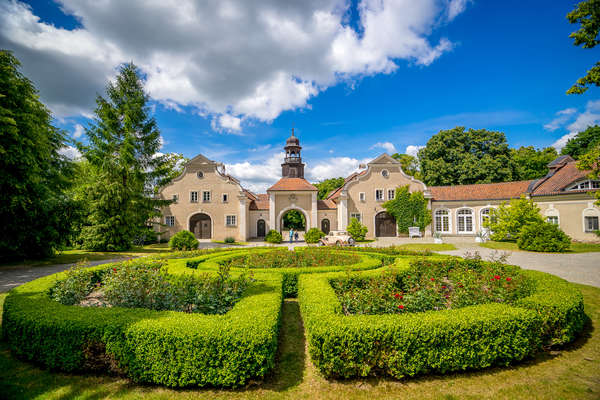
[(326, 205), (482, 191), (293, 184), (261, 202), (558, 180)]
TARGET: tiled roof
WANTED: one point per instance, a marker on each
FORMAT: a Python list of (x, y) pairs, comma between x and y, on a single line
[(261, 202), (482, 191), (326, 205), (293, 184), (557, 181)]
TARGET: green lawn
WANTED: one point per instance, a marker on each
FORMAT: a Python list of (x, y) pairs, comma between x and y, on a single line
[(73, 256), (428, 246), (576, 247), (570, 373), (232, 244)]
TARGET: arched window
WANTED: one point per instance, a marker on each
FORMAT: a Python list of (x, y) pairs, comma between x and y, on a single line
[(442, 220), (485, 216), (464, 220)]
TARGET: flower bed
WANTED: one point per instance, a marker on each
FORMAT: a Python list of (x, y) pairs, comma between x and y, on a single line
[(163, 347), (399, 344)]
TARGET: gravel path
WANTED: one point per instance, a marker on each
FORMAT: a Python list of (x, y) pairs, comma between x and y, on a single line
[(576, 267)]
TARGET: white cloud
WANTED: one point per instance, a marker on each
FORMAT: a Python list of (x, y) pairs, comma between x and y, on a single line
[(70, 152), (259, 176), (333, 167), (561, 118), (591, 116), (79, 130), (230, 60), (412, 150), (387, 146)]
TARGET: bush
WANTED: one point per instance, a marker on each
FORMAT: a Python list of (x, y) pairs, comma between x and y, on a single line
[(161, 347), (183, 240), (408, 344), (313, 235), (506, 221), (75, 287), (357, 230), (229, 240), (543, 236), (273, 237)]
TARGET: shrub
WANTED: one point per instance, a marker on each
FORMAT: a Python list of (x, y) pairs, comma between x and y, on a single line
[(229, 240), (313, 235), (408, 344), (543, 236), (409, 209), (75, 287), (273, 237), (506, 221), (183, 240), (162, 347), (357, 230)]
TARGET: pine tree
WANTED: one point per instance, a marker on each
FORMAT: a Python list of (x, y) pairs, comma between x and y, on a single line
[(124, 141), (33, 174)]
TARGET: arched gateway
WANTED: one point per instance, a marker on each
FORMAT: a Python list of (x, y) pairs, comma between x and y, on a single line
[(201, 226), (385, 225)]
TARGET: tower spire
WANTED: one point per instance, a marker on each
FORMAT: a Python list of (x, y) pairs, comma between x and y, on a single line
[(292, 166)]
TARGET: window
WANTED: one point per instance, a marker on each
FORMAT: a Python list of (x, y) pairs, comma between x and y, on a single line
[(362, 196), (200, 174), (485, 216), (442, 220), (584, 185), (385, 173), (356, 215), (591, 224), (206, 197), (391, 194), (225, 197), (175, 198), (553, 219), (379, 194), (170, 220), (194, 197), (231, 220), (465, 221)]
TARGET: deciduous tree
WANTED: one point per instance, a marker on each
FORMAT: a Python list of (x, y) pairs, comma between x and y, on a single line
[(531, 163), (583, 142), (409, 164), (587, 14), (327, 186)]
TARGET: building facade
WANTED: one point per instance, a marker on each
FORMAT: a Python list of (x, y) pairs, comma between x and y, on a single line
[(214, 205)]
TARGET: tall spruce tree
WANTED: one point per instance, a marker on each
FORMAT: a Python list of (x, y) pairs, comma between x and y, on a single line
[(124, 141), (33, 174)]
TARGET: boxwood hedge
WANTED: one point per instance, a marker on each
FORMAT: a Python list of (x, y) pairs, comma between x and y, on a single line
[(169, 348), (436, 341)]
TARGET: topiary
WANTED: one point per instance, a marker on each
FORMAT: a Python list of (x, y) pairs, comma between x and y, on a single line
[(357, 230), (313, 235), (229, 239), (273, 237), (183, 240), (543, 236)]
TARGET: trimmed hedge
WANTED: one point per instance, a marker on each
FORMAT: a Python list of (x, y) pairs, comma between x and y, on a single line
[(543, 236), (472, 337), (169, 348)]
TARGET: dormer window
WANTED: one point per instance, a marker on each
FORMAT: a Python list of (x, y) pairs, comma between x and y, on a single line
[(585, 185)]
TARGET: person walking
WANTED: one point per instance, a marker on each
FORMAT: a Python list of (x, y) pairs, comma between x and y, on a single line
[(291, 234), (295, 236)]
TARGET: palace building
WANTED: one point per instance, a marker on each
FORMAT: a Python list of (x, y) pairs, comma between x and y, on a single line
[(214, 205)]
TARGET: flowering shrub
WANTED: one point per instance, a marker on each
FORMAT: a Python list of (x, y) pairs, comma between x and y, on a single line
[(432, 285), (312, 257), (75, 287)]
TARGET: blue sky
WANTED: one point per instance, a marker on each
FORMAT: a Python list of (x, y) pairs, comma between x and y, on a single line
[(481, 64)]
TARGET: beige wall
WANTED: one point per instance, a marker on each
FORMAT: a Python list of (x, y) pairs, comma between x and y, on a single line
[(331, 215), (288, 200), (368, 183), (253, 218), (218, 185)]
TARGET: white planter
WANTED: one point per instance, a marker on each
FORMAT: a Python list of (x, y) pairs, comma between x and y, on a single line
[(478, 240), (437, 241)]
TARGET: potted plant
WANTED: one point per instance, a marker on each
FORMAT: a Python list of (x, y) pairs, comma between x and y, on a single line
[(437, 237)]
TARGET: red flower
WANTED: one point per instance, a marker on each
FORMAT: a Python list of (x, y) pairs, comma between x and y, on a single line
[(497, 277), (401, 307), (492, 279), (397, 295), (432, 279), (508, 279), (443, 286), (447, 296), (114, 270)]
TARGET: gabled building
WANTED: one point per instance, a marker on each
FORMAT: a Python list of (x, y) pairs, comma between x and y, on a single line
[(214, 205)]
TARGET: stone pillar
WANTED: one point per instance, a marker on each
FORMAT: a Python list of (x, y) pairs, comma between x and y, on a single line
[(271, 212), (343, 211), (242, 219), (313, 217)]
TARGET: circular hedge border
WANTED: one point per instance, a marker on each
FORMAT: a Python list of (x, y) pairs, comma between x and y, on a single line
[(169, 348), (472, 337)]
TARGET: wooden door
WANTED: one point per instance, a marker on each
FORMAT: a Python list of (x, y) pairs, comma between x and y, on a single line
[(260, 228)]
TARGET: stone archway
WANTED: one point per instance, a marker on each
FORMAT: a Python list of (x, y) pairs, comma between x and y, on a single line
[(385, 225), (201, 226), (278, 221)]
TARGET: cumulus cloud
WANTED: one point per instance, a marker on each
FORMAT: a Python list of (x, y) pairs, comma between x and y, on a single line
[(78, 131), (387, 146), (232, 60), (576, 123), (70, 152), (412, 150), (560, 119), (333, 167)]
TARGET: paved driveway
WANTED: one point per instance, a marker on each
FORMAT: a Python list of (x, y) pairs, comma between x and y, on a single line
[(575, 267)]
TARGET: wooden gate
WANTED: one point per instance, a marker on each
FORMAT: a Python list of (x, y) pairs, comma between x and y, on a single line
[(200, 226), (260, 228), (385, 225)]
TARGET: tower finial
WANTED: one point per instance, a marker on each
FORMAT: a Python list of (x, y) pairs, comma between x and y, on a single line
[(292, 131)]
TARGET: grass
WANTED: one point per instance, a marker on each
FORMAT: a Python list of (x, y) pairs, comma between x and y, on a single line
[(428, 246), (569, 373), (232, 244), (576, 247), (76, 255)]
